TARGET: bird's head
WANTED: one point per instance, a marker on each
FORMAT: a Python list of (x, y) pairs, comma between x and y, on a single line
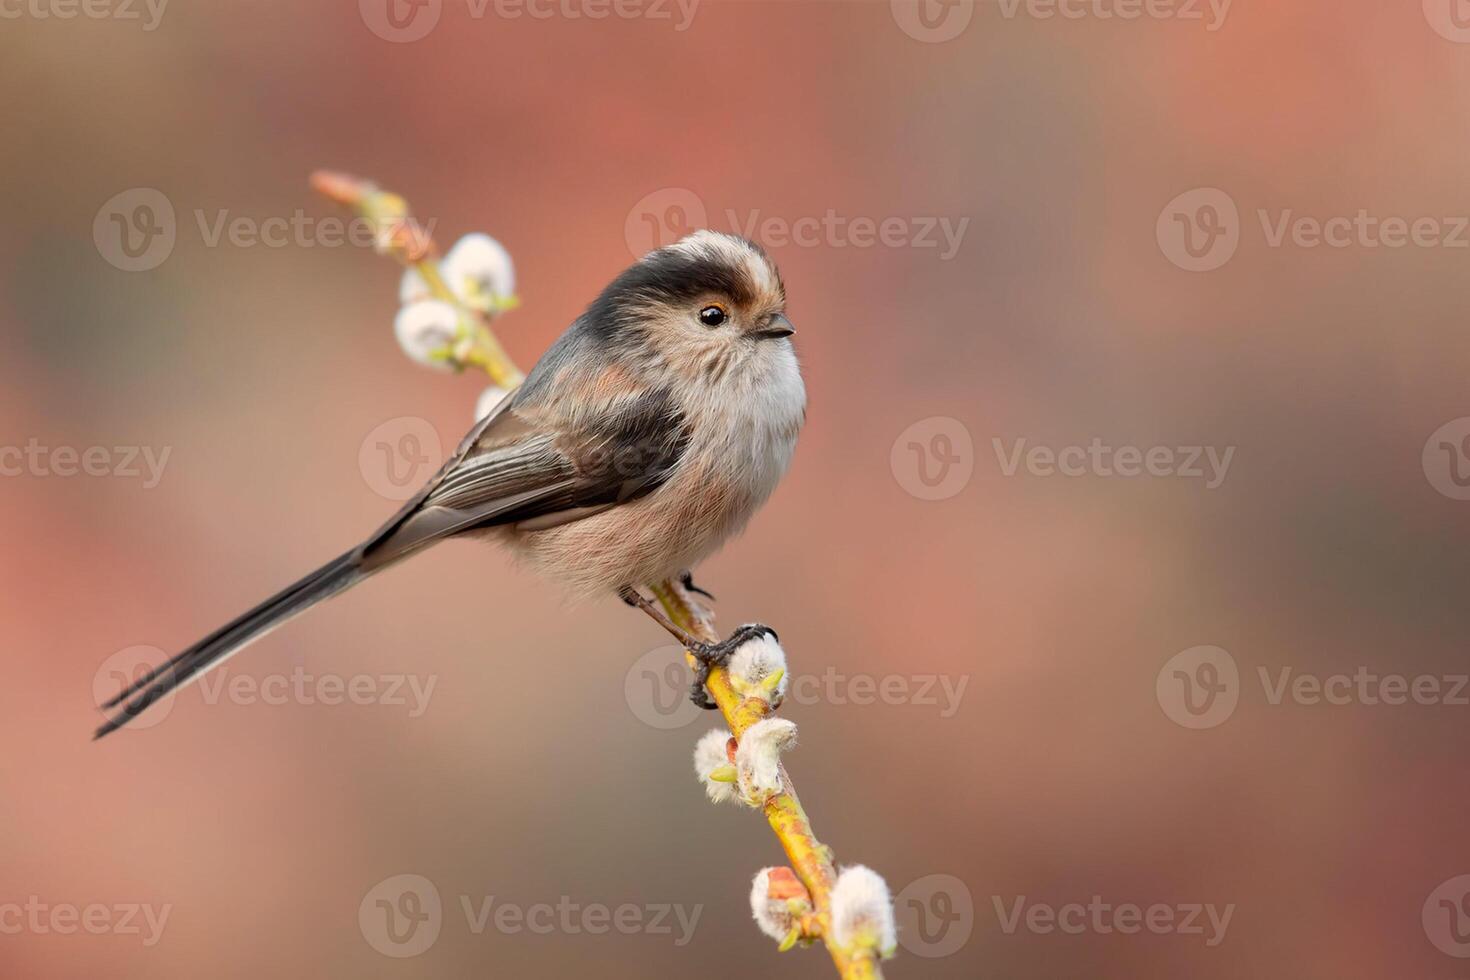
[(706, 304)]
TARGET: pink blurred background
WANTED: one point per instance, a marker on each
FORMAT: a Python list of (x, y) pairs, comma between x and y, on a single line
[(537, 770)]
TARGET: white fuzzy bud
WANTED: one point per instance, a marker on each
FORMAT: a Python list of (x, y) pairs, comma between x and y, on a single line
[(758, 670), (862, 912), (479, 271), (412, 288), (758, 758), (778, 901), (427, 331), (487, 401), (712, 766)]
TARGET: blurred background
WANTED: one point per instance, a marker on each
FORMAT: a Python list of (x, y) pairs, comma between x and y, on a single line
[(1134, 476)]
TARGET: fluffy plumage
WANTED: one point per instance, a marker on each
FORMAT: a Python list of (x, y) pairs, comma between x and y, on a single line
[(641, 441)]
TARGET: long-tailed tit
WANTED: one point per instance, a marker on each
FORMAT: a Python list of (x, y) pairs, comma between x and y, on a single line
[(646, 436)]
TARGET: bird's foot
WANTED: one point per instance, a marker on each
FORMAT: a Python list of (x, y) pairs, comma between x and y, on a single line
[(687, 580), (708, 656)]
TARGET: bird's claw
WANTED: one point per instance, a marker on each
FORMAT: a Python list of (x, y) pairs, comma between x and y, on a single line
[(708, 656), (687, 580)]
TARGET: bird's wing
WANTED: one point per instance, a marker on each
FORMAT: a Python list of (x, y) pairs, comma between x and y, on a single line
[(525, 465)]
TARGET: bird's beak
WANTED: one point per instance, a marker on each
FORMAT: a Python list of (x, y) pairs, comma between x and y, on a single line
[(780, 327)]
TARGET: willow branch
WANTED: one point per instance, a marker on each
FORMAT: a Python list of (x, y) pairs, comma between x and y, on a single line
[(810, 858), (404, 239)]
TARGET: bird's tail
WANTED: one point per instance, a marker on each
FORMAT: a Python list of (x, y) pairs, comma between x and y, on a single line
[(334, 577)]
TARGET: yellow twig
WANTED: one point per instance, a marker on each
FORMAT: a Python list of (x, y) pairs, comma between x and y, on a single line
[(403, 238), (810, 859), (400, 236)]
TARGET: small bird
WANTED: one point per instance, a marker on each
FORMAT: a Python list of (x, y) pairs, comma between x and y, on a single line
[(646, 436)]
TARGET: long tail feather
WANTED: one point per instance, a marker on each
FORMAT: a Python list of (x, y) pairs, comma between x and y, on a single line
[(334, 577)]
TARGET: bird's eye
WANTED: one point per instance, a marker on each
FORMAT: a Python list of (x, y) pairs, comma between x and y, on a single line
[(713, 315)]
